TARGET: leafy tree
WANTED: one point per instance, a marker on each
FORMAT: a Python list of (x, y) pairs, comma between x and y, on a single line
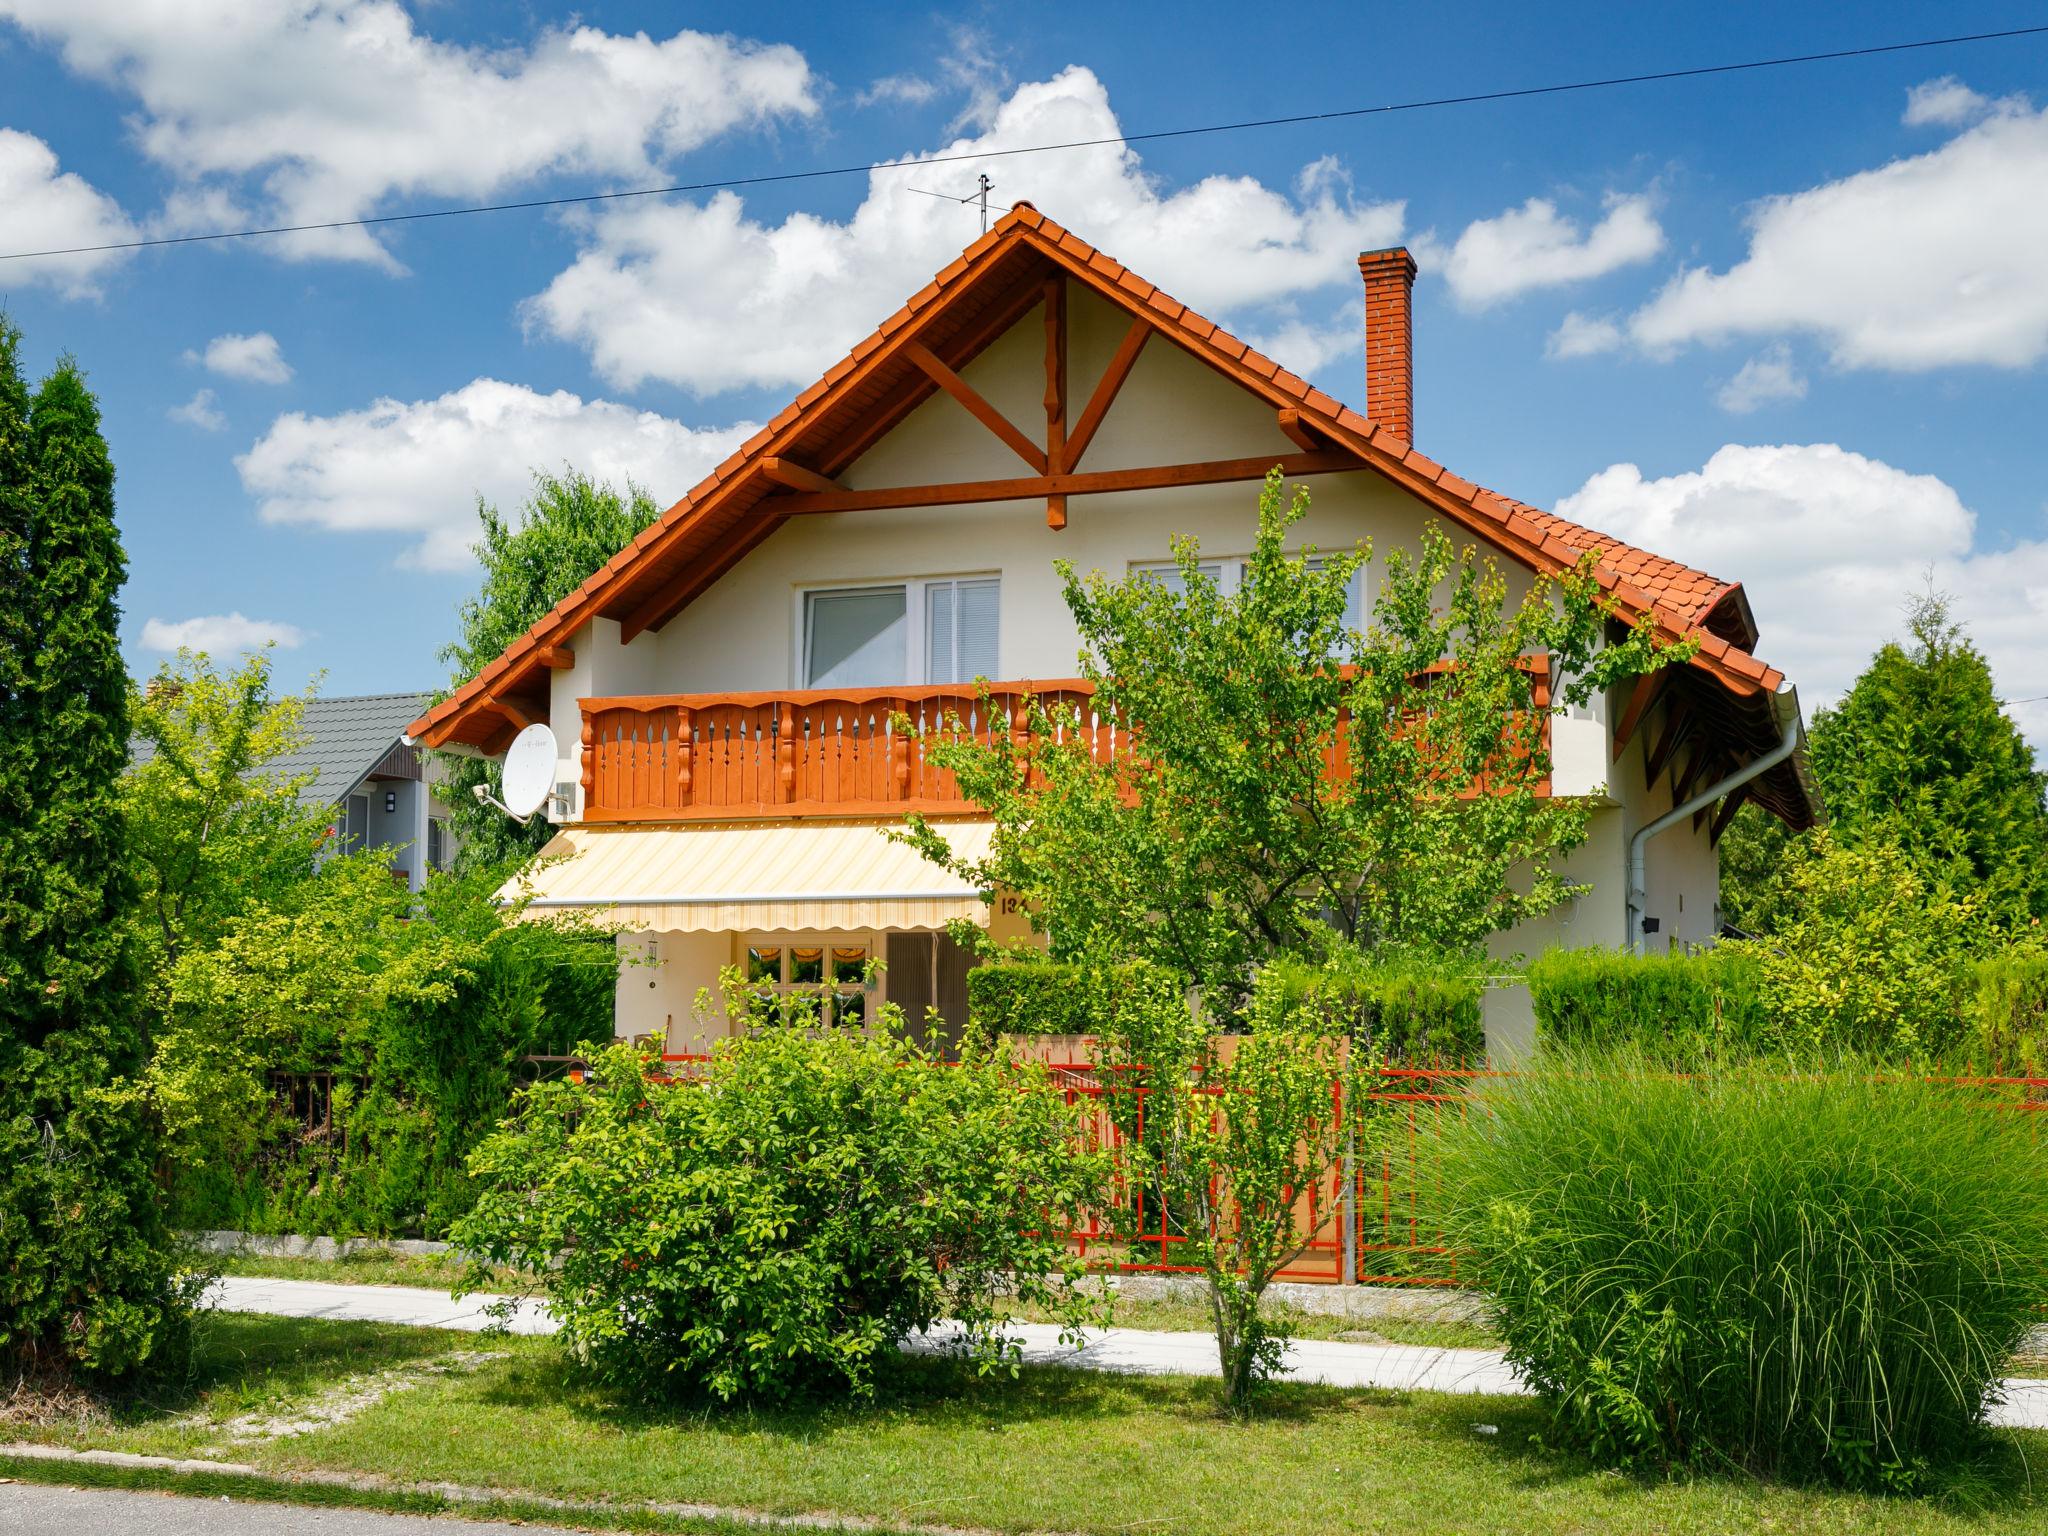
[(1220, 839), (1222, 1139), (569, 527), (1920, 756), (210, 831), (86, 1263), (421, 1008)]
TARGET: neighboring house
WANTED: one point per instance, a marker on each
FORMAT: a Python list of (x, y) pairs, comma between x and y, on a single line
[(382, 788), (722, 690)]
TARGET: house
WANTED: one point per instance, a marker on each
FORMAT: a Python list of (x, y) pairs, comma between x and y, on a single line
[(721, 691), (382, 787)]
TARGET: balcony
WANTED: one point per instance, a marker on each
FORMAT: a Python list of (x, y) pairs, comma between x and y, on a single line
[(833, 752), (704, 756)]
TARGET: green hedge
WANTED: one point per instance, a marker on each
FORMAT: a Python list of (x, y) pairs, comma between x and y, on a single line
[(1046, 997), (1714, 1003), (1421, 1016), (2009, 1003), (1688, 1005)]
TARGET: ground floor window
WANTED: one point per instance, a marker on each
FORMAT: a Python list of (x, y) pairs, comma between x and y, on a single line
[(835, 968)]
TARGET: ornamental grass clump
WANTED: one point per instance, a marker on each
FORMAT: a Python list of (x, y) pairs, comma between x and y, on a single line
[(1818, 1275), (775, 1228)]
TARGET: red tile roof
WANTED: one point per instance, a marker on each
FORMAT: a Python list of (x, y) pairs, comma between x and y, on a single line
[(712, 519)]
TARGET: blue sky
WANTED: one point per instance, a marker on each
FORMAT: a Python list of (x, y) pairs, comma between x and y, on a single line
[(1789, 325)]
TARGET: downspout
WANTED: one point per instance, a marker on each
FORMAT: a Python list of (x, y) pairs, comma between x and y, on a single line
[(1638, 846)]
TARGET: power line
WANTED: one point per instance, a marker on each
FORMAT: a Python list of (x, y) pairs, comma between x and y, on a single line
[(1154, 135)]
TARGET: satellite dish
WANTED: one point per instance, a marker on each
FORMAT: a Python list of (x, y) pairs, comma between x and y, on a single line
[(529, 774)]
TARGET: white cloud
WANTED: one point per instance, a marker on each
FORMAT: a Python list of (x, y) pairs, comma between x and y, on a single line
[(49, 209), (294, 111), (1830, 544), (1946, 102), (1770, 375), (1579, 335), (969, 67), (1535, 246), (898, 90), (417, 467), (1928, 262), (218, 634), (199, 412), (702, 295), (1306, 346), (258, 358)]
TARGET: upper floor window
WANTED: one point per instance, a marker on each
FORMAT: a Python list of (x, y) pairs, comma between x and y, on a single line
[(1229, 576), (927, 631)]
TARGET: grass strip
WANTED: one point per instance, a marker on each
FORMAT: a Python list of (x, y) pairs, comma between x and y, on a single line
[(332, 1491)]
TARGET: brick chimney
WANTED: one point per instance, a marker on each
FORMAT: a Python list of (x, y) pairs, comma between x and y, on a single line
[(1390, 340)]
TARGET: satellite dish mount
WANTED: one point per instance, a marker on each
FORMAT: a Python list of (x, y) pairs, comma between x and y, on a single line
[(527, 777)]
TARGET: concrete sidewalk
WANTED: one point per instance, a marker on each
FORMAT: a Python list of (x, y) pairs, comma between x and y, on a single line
[(1392, 1367)]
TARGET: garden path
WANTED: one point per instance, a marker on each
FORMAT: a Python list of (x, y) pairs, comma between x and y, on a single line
[(1392, 1367)]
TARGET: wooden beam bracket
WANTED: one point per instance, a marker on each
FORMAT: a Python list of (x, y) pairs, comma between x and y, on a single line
[(977, 407), (797, 477), (1031, 487), (1632, 713), (1056, 395), (1301, 432), (1677, 721), (1730, 804), (1120, 364)]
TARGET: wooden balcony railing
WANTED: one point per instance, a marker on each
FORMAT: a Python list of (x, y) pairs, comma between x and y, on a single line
[(829, 752), (816, 752)]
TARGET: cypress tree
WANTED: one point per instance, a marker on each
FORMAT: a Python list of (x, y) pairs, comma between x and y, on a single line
[(1920, 755), (86, 1265), (15, 650)]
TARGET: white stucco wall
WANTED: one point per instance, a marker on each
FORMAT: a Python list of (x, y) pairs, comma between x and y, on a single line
[(744, 632), (1683, 869)]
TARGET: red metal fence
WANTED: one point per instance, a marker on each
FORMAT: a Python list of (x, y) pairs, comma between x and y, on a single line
[(1370, 1219)]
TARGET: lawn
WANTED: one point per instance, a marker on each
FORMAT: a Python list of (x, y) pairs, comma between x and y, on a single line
[(1051, 1450)]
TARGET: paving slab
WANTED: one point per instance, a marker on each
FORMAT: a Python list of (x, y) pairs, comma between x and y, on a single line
[(51, 1511), (412, 1306), (1390, 1367)]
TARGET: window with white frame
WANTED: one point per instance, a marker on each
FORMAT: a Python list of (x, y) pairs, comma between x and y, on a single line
[(833, 970), (1229, 577), (932, 630)]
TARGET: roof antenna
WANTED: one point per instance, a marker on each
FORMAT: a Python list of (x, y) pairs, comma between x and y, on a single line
[(979, 195)]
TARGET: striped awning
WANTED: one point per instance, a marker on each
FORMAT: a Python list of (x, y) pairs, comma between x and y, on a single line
[(767, 877)]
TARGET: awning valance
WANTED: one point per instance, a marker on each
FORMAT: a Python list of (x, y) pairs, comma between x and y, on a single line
[(772, 877)]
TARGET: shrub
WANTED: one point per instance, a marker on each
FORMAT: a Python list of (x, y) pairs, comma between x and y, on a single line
[(2009, 1014), (419, 1006), (772, 1229), (1819, 1274), (1682, 1007), (1868, 956)]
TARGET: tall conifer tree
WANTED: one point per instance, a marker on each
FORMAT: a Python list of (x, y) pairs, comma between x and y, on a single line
[(86, 1264)]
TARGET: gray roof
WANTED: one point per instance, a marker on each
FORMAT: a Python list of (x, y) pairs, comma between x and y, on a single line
[(344, 739)]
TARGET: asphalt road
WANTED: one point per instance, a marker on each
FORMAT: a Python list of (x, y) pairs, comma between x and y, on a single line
[(33, 1510)]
